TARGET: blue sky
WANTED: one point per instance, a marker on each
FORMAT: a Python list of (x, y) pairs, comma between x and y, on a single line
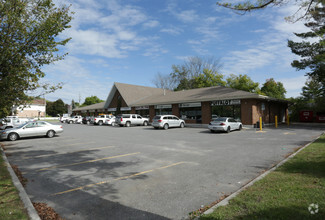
[(130, 41)]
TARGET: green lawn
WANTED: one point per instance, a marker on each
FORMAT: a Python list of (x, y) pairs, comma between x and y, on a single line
[(285, 193), (11, 206)]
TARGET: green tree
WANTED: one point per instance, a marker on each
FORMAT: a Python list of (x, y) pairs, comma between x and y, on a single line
[(74, 104), (242, 82), (312, 90), (92, 100), (305, 6), (273, 89), (314, 94), (312, 53), (183, 75), (55, 108), (208, 78), (29, 40)]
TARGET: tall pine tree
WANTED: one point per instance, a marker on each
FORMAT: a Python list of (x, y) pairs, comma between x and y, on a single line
[(312, 52)]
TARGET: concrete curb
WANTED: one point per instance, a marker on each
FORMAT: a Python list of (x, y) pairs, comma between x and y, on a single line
[(226, 200), (33, 215)]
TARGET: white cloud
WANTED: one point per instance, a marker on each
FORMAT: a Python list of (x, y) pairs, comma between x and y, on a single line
[(154, 51), (270, 49), (151, 24), (77, 78), (293, 85), (172, 30), (187, 16)]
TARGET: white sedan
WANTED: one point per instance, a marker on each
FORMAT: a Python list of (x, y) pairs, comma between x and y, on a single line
[(225, 124), (31, 129)]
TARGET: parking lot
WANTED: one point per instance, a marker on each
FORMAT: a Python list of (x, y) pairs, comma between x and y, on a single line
[(104, 172)]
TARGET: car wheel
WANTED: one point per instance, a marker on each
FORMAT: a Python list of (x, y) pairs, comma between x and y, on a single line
[(88, 122), (100, 123), (13, 136), (127, 124), (50, 134), (166, 126), (145, 123), (240, 127), (113, 124), (228, 129), (182, 125)]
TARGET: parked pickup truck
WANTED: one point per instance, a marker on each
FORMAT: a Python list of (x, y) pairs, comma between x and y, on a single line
[(12, 122), (104, 119), (64, 118), (77, 119)]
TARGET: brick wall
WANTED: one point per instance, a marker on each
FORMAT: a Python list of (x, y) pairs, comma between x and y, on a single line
[(151, 112), (30, 114), (175, 110), (206, 112), (246, 109)]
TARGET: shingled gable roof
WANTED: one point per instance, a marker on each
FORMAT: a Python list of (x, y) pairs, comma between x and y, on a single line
[(199, 95), (133, 93)]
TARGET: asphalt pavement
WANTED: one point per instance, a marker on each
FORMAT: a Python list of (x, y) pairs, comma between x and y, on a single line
[(104, 172)]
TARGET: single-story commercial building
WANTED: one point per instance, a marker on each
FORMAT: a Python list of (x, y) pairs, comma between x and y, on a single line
[(194, 106)]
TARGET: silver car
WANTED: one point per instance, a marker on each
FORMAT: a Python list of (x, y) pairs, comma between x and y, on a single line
[(224, 124), (31, 129), (167, 121)]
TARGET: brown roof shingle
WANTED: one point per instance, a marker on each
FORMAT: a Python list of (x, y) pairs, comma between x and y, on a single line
[(198, 95)]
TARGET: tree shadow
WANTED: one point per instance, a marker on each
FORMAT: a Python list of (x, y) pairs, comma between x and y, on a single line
[(83, 205), (311, 168)]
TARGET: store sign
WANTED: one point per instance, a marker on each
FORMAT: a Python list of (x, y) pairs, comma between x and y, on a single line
[(188, 105), (142, 108), (162, 106), (111, 109), (125, 108), (226, 102)]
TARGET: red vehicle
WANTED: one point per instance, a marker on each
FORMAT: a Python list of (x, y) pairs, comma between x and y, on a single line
[(306, 116), (320, 117)]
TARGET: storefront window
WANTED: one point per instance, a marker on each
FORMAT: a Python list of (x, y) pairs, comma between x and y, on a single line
[(164, 111), (143, 112), (227, 111), (192, 113)]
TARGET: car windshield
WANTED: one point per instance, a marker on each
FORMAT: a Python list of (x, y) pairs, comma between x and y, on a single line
[(23, 125), (220, 120), (157, 117)]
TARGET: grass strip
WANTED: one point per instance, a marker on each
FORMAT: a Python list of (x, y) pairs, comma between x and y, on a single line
[(11, 207), (286, 193)]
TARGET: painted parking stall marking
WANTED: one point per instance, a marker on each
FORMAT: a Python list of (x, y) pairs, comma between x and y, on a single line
[(83, 162), (119, 178), (70, 152)]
